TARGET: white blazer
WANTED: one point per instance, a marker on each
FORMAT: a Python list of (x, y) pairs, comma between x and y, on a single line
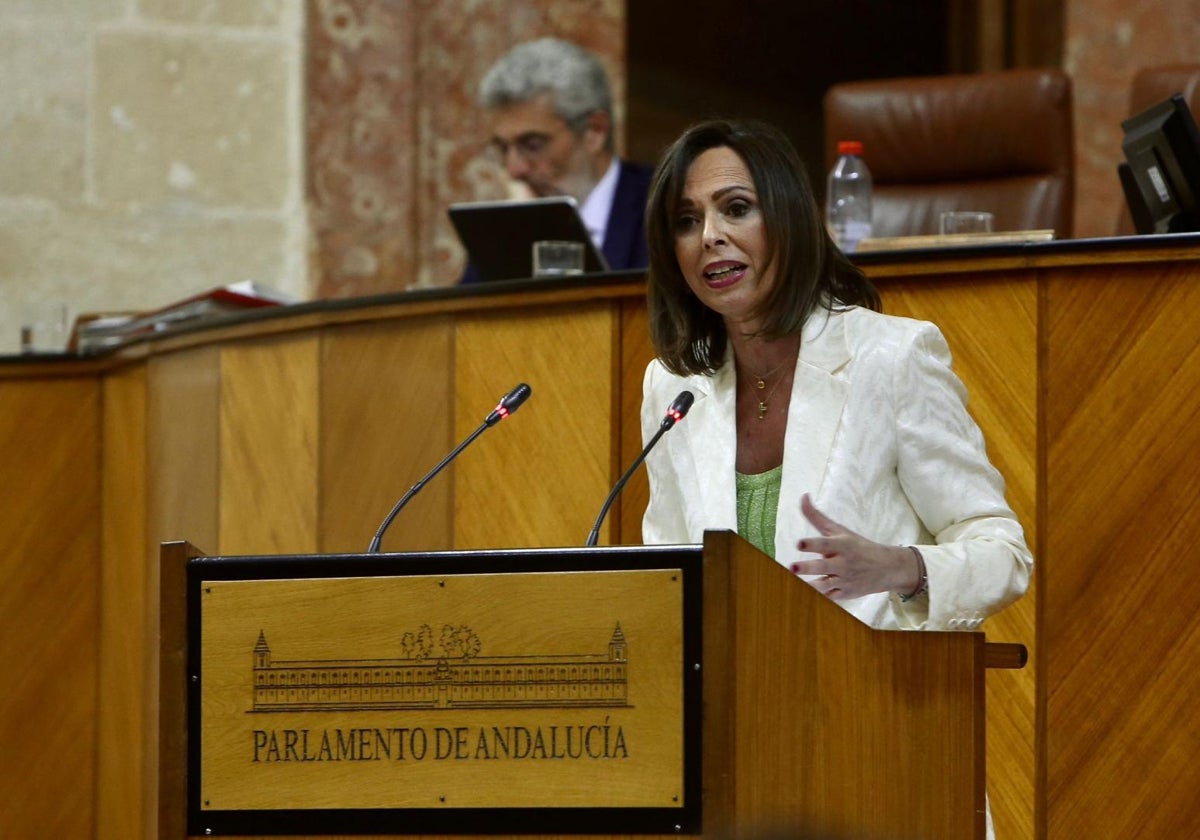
[(878, 433)]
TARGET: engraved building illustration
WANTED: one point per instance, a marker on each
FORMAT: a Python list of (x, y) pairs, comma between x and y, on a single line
[(459, 681)]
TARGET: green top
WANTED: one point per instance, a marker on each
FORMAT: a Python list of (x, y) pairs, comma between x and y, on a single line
[(757, 505)]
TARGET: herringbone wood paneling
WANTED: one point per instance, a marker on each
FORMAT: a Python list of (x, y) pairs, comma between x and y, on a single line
[(1122, 429)]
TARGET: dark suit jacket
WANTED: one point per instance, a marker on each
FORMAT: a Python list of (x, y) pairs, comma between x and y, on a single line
[(625, 239)]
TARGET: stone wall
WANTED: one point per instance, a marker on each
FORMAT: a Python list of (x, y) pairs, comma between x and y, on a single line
[(1106, 43), (151, 149), (156, 148), (394, 134)]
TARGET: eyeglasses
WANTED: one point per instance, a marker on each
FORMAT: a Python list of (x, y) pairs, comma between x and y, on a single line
[(532, 145)]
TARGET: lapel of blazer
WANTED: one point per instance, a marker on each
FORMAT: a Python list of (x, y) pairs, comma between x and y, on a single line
[(712, 443), (814, 414)]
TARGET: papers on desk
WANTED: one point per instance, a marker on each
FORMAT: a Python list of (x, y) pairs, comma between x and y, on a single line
[(104, 331), (952, 240)]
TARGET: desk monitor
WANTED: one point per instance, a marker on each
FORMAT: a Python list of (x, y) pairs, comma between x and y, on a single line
[(1161, 176), (499, 235)]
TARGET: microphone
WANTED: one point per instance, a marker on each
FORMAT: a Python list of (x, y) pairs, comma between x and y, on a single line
[(676, 412), (509, 403)]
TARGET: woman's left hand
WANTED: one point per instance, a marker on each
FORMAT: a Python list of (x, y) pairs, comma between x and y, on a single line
[(852, 565)]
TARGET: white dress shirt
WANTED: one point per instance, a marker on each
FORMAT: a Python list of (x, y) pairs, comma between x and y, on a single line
[(597, 207)]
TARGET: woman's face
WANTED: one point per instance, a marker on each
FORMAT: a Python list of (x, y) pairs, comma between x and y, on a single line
[(721, 238)]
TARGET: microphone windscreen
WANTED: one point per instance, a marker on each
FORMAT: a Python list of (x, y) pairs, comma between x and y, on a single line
[(509, 403), (682, 404), (678, 410), (514, 398)]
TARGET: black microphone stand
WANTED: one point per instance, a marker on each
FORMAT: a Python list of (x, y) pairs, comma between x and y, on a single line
[(416, 488), (678, 410), (508, 404)]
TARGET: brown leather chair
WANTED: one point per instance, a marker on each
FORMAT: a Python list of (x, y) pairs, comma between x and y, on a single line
[(999, 141), (1152, 85)]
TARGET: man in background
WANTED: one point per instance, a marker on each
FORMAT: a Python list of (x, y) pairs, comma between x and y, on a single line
[(549, 105)]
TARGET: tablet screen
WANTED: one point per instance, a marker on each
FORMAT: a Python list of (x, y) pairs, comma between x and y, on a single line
[(499, 235)]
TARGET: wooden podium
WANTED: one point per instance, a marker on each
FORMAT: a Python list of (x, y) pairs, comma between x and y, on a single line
[(655, 691)]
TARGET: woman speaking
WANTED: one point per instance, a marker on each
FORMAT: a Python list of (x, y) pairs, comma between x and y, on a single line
[(832, 436)]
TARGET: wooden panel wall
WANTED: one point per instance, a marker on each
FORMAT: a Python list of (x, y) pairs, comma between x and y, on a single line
[(183, 476), (544, 484), (990, 324), (387, 397), (1121, 623), (124, 607), (183, 448), (49, 579), (269, 412), (636, 352)]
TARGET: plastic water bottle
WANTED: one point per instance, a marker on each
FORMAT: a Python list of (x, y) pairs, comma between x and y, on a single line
[(848, 197)]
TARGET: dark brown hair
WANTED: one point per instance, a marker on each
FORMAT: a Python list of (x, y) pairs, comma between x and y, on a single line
[(811, 271)]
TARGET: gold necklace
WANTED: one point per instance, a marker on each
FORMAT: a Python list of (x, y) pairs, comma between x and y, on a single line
[(760, 384)]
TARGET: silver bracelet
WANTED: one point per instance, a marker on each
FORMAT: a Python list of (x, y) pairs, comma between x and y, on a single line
[(923, 583)]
